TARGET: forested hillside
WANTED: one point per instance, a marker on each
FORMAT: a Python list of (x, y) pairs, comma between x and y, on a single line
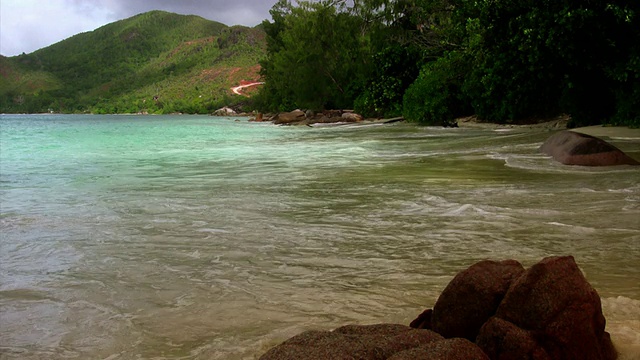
[(155, 62), (427, 60), (435, 60)]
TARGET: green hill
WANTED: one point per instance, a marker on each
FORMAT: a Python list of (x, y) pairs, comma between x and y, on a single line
[(18, 80), (155, 62)]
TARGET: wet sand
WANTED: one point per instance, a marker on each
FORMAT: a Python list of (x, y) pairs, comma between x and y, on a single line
[(612, 132)]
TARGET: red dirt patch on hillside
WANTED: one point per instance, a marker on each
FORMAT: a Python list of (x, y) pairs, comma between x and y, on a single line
[(244, 76)]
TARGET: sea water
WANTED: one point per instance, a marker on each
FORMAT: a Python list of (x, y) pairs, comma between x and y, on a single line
[(194, 237)]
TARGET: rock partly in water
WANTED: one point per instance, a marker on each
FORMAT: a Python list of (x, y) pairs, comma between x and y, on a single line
[(423, 321), (472, 297), (299, 117), (289, 118), (501, 339), (366, 342), (450, 349), (557, 312), (572, 148), (549, 311)]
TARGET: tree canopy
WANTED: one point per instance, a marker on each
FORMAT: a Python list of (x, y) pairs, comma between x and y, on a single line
[(434, 60), (430, 61)]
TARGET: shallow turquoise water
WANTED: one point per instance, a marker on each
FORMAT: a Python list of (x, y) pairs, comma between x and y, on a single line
[(193, 237)]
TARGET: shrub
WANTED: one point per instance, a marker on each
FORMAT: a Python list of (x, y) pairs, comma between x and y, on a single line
[(436, 98)]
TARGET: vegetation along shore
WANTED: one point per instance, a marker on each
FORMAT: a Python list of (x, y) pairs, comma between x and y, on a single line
[(430, 61), (219, 239)]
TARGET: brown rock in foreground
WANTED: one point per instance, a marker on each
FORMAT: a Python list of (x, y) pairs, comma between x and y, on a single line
[(549, 311), (472, 297), (450, 349), (366, 342), (501, 339), (572, 148), (557, 312)]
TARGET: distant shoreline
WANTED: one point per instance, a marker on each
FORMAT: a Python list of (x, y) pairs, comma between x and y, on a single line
[(557, 123)]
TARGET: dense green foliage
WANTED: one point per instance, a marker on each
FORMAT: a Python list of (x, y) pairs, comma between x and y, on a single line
[(428, 60), (536, 58), (155, 62), (395, 69), (315, 59), (434, 60), (436, 97), (326, 54)]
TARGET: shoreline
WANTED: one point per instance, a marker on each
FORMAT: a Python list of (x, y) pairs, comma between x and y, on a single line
[(612, 132), (558, 123), (555, 123)]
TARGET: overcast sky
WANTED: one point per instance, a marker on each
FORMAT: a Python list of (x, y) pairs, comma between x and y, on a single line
[(28, 25)]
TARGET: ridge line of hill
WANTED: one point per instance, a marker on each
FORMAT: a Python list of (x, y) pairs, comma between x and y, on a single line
[(154, 62)]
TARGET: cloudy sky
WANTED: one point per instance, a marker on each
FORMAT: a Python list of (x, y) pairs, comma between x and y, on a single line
[(28, 25)]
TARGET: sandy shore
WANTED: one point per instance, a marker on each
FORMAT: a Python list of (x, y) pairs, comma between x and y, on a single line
[(612, 132), (559, 123)]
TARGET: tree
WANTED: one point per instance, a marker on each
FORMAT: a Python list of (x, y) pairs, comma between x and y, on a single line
[(397, 66), (535, 58), (316, 59)]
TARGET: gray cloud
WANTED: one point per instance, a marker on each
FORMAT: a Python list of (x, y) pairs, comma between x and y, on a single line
[(230, 12), (27, 25)]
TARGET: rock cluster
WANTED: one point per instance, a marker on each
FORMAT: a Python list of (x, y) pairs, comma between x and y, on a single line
[(492, 310), (381, 341), (299, 117), (573, 148)]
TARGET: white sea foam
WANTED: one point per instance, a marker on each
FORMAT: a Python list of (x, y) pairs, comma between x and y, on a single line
[(623, 323), (213, 231), (574, 228), (466, 209)]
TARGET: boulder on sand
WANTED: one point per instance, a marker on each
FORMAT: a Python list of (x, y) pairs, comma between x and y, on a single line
[(573, 148)]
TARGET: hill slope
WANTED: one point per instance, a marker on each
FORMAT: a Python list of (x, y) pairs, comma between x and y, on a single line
[(154, 62)]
